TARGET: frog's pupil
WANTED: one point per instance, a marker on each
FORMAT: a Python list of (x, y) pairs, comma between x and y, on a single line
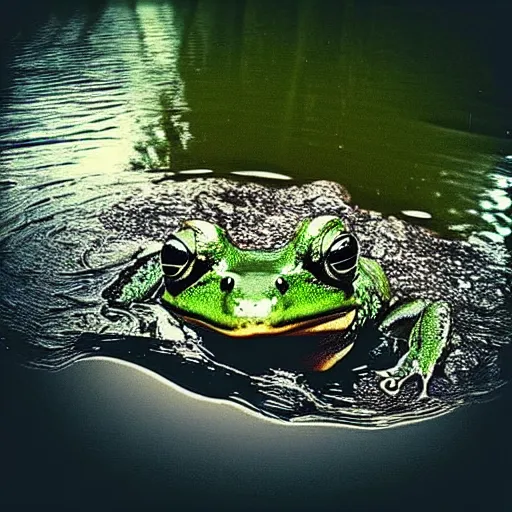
[(282, 285), (175, 258), (342, 255), (227, 284)]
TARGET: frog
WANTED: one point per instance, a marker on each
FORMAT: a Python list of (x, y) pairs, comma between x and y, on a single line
[(315, 284)]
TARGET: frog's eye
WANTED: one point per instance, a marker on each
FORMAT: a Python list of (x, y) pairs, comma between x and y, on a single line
[(175, 258), (340, 258)]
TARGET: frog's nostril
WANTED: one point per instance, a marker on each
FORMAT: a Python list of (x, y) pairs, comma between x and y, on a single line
[(282, 285), (227, 284)]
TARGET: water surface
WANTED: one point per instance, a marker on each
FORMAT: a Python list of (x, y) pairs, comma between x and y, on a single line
[(407, 105)]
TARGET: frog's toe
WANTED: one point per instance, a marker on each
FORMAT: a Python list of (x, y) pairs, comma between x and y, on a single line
[(424, 393), (393, 380), (391, 385)]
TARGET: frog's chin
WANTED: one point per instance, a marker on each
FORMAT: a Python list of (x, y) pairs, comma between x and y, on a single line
[(337, 322), (328, 358)]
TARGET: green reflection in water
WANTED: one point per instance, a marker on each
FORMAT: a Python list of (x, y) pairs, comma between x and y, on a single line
[(164, 141), (395, 101)]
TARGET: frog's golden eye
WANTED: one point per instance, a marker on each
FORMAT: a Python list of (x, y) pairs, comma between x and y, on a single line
[(175, 258), (340, 259)]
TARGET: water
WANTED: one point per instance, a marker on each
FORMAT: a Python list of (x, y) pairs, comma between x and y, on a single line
[(406, 105)]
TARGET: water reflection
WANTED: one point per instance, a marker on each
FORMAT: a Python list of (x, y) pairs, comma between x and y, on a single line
[(357, 92), (85, 88), (496, 202), (348, 91)]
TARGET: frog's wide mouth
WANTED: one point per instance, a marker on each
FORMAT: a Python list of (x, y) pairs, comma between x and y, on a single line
[(335, 322)]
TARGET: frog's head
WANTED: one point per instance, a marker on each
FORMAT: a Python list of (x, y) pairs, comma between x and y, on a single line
[(304, 287)]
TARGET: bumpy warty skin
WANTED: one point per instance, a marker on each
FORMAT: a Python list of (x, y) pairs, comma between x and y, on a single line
[(471, 275)]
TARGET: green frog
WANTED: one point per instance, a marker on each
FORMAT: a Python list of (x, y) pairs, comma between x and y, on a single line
[(317, 283)]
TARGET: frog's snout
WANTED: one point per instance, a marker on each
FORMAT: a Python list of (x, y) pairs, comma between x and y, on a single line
[(247, 308), (227, 284), (255, 298)]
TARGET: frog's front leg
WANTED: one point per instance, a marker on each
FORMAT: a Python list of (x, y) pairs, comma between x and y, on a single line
[(136, 283), (427, 340)]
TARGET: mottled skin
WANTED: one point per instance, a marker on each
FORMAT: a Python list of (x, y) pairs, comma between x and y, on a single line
[(289, 290)]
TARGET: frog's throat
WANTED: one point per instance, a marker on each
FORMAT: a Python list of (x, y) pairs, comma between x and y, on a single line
[(326, 363), (332, 323)]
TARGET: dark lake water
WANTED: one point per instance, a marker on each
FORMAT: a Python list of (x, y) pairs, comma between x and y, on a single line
[(407, 104)]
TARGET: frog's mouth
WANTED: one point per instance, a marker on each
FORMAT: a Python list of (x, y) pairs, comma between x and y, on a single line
[(336, 322), (321, 358)]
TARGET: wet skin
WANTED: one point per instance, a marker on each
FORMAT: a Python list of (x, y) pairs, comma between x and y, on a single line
[(316, 283)]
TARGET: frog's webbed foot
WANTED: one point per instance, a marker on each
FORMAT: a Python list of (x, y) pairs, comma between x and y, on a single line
[(394, 378), (427, 340)]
